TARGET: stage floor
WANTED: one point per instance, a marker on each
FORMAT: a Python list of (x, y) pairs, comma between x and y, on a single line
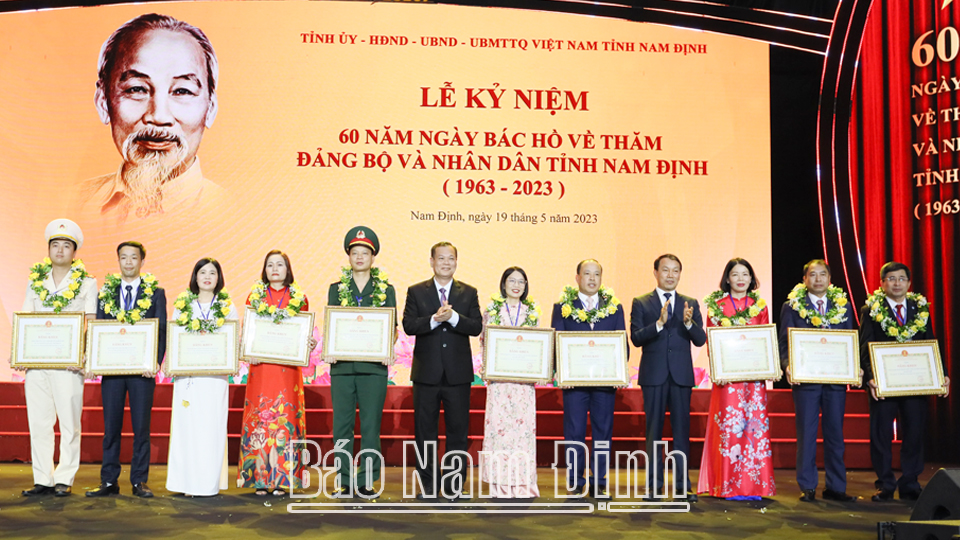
[(238, 513)]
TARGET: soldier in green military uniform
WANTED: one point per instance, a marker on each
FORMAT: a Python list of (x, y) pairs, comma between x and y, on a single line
[(362, 384)]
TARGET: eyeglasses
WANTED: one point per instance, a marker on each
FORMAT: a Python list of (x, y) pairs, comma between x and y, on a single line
[(516, 282), (894, 279)]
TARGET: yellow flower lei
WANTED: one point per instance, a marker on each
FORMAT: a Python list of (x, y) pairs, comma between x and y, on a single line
[(607, 306), (880, 312), (295, 306), (740, 318), (110, 295), (40, 271), (497, 302), (218, 312), (835, 315)]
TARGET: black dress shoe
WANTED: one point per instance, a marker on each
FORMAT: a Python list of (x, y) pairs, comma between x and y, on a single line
[(367, 493), (142, 490), (841, 496), (61, 490), (104, 490), (909, 495), (882, 495), (692, 497), (599, 493), (809, 495), (37, 490)]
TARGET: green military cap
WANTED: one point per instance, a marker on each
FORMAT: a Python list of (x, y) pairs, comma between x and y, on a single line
[(361, 236)]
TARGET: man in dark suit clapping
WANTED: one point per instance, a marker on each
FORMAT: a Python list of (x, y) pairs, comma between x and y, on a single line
[(664, 323), (442, 313)]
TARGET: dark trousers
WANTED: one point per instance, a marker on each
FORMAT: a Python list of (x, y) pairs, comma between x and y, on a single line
[(368, 393), (114, 391), (809, 402), (427, 399), (657, 400), (577, 404), (910, 427)]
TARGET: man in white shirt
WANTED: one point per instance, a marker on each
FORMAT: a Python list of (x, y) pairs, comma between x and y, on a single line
[(57, 394)]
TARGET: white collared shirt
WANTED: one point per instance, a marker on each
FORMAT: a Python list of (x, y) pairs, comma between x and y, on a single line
[(814, 299), (455, 317), (133, 292), (592, 301), (893, 307)]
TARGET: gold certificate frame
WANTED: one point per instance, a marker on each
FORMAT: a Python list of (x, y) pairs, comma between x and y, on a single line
[(115, 348), (912, 368), (202, 353), (743, 353), (822, 356), (516, 354), (592, 359), (359, 334), (43, 340), (282, 343)]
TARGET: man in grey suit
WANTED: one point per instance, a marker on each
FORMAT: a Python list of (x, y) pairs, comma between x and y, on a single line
[(664, 323)]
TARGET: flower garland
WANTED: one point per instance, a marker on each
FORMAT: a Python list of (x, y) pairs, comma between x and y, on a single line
[(40, 271), (110, 296), (608, 301), (377, 297), (881, 312), (217, 314), (740, 318), (835, 315), (295, 306), (533, 310)]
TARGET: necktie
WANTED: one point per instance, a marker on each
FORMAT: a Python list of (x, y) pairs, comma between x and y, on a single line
[(820, 306), (128, 298), (443, 296), (900, 320), (669, 309)]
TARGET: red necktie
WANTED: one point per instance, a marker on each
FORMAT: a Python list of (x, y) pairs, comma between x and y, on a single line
[(900, 320), (820, 306)]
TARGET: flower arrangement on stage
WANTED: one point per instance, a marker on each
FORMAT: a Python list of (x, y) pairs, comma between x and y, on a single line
[(378, 296), (40, 271), (835, 297), (294, 307), (110, 296), (607, 306), (497, 303), (215, 317), (740, 318), (881, 312)]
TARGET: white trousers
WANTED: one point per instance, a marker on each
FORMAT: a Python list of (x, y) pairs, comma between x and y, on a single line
[(54, 394)]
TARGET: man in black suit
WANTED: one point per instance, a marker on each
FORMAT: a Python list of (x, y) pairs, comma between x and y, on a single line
[(137, 294), (897, 312), (665, 332), (597, 402), (442, 313), (816, 309)]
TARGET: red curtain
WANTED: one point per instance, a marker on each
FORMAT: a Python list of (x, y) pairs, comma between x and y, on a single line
[(888, 148)]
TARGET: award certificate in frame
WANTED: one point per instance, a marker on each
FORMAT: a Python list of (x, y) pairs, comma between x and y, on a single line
[(277, 343), (359, 334), (823, 356), (592, 359), (115, 348), (46, 340), (912, 368), (202, 353), (518, 354), (744, 353)]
